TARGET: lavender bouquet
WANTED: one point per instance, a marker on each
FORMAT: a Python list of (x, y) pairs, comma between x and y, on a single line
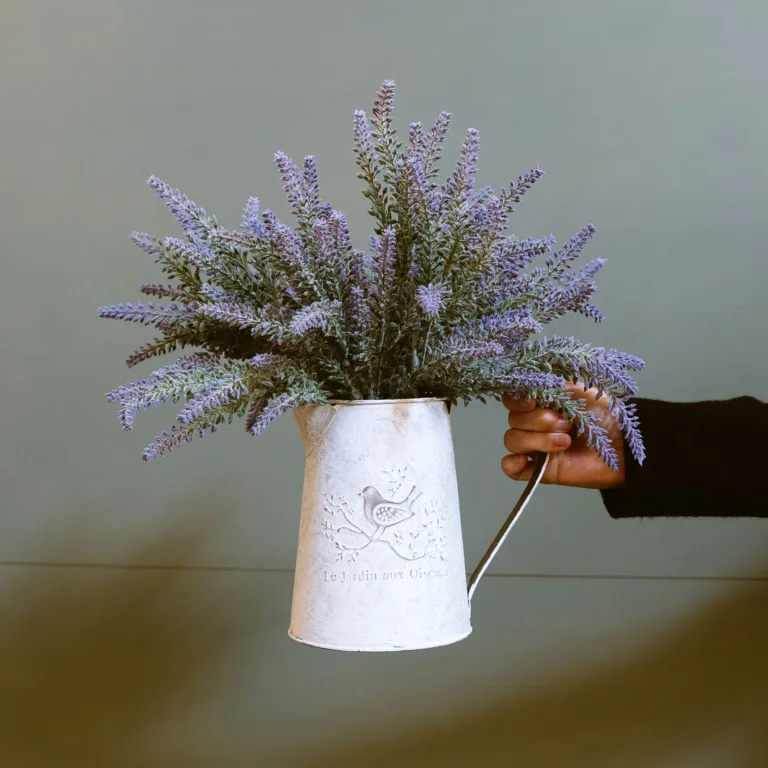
[(440, 305)]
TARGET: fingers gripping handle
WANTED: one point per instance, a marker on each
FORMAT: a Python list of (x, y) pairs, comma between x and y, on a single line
[(542, 459)]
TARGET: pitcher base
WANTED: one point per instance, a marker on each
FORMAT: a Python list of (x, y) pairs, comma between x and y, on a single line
[(379, 648)]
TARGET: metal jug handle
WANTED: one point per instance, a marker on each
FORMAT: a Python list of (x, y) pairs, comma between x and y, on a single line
[(542, 459)]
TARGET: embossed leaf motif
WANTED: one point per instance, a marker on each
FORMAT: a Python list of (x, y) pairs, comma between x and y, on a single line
[(397, 477)]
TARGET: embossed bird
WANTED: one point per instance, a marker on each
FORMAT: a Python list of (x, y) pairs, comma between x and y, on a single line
[(384, 513)]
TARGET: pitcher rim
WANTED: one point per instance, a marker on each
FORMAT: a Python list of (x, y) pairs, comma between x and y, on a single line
[(391, 402)]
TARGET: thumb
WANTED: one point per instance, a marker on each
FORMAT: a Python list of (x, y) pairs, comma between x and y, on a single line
[(519, 466)]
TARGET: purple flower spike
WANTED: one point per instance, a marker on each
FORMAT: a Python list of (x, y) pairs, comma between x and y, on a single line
[(462, 181), (384, 256), (310, 182), (316, 315), (251, 221), (146, 242), (365, 154), (192, 217), (149, 315), (382, 105), (293, 183), (196, 254), (433, 142), (269, 412), (339, 231), (429, 298), (268, 360), (517, 189)]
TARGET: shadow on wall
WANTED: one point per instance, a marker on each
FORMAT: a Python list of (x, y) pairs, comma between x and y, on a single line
[(90, 662), (707, 679)]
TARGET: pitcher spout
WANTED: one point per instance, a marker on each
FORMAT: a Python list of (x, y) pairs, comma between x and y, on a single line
[(313, 422)]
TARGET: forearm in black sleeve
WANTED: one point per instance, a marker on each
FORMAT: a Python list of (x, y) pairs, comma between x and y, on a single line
[(703, 459)]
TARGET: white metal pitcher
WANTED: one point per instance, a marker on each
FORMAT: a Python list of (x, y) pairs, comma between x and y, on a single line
[(380, 563)]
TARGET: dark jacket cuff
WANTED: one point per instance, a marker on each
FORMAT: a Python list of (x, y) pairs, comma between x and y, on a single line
[(703, 459)]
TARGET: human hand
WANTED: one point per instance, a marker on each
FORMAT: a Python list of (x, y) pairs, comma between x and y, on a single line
[(571, 463)]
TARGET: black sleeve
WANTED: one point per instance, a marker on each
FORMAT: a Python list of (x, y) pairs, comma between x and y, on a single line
[(703, 459)]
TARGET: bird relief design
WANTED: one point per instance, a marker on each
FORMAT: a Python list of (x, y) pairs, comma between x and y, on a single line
[(411, 531)]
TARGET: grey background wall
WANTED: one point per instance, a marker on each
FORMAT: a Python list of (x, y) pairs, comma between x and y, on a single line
[(143, 608)]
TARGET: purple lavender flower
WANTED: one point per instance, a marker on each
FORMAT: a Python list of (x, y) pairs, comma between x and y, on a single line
[(269, 412), (192, 217), (383, 263), (418, 186), (174, 437), (149, 315), (477, 350), (251, 222), (146, 242), (433, 143), (196, 254), (626, 418), (571, 250), (301, 189), (595, 366), (503, 280), (487, 336), (429, 298), (199, 361), (360, 316), (255, 407), (487, 222), (221, 392), (521, 381), (480, 198), (268, 360), (339, 231), (148, 392), (459, 186), (381, 121), (507, 327), (162, 291), (355, 307), (365, 154), (279, 404), (625, 360), (514, 255), (609, 365), (578, 283), (591, 311), (598, 438), (311, 184), (382, 104), (330, 248), (214, 292), (237, 314), (289, 246), (293, 183), (322, 251), (316, 315), (588, 271), (570, 298), (517, 322), (415, 139), (517, 189)]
